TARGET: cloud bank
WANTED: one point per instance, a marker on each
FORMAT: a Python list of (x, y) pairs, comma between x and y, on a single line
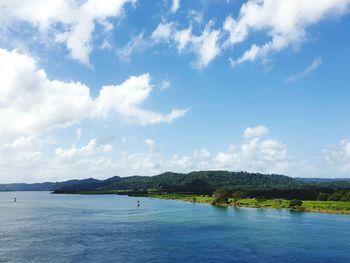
[(69, 22), (31, 103)]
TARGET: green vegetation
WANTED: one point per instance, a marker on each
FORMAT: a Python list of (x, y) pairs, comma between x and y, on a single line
[(205, 182), (219, 188), (242, 184), (296, 205), (340, 195), (221, 197)]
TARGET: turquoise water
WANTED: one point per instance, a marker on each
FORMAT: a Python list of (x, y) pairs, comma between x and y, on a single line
[(42, 227)]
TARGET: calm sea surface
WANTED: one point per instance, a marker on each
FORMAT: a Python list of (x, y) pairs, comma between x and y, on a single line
[(42, 227)]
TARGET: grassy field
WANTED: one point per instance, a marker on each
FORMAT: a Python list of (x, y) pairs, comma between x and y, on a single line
[(337, 207)]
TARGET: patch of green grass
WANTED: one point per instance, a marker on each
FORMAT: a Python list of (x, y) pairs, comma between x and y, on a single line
[(312, 206), (327, 206)]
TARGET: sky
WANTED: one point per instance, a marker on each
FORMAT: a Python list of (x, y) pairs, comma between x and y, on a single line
[(99, 88)]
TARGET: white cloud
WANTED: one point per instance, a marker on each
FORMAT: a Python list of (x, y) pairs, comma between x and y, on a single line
[(253, 155), (20, 159), (182, 163), (163, 32), (201, 153), (126, 100), (135, 44), (305, 72), (338, 156), (91, 148), (257, 131), (205, 46), (164, 85), (175, 6), (31, 103), (268, 156), (33, 159), (195, 16), (284, 21), (70, 22), (183, 38), (25, 160)]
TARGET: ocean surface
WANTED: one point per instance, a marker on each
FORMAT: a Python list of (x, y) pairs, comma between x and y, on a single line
[(41, 227)]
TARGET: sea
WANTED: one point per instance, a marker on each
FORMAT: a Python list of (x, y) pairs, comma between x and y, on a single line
[(45, 227)]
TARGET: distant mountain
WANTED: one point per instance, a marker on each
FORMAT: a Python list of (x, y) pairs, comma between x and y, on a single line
[(203, 181), (199, 182), (86, 184), (28, 187), (323, 180)]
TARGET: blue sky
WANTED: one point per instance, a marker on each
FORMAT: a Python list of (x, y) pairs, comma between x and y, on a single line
[(102, 88)]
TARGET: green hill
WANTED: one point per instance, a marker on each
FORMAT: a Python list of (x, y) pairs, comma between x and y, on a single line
[(204, 181)]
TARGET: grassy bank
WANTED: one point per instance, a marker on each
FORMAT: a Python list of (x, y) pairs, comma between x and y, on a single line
[(337, 207)]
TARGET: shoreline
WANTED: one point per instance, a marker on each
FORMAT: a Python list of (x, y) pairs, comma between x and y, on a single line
[(328, 207), (308, 206)]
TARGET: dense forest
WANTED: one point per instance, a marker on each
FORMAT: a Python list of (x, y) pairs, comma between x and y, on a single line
[(255, 185)]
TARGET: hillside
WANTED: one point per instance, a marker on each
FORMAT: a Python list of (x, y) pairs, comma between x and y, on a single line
[(204, 181), (199, 182)]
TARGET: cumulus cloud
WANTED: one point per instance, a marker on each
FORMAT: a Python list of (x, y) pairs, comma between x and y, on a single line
[(338, 156), (163, 32), (253, 155), (284, 21), (87, 150), (175, 6), (257, 131), (20, 159), (267, 156), (305, 72), (70, 22), (34, 159), (126, 100), (27, 159), (201, 153), (205, 45), (31, 103)]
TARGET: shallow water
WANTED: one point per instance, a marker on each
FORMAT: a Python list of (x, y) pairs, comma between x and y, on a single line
[(41, 227)]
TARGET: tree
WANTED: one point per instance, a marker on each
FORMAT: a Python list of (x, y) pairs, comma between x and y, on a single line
[(238, 195), (323, 196), (222, 192), (295, 203), (221, 196)]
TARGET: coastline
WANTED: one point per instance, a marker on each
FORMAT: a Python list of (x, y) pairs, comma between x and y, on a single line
[(329, 207)]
